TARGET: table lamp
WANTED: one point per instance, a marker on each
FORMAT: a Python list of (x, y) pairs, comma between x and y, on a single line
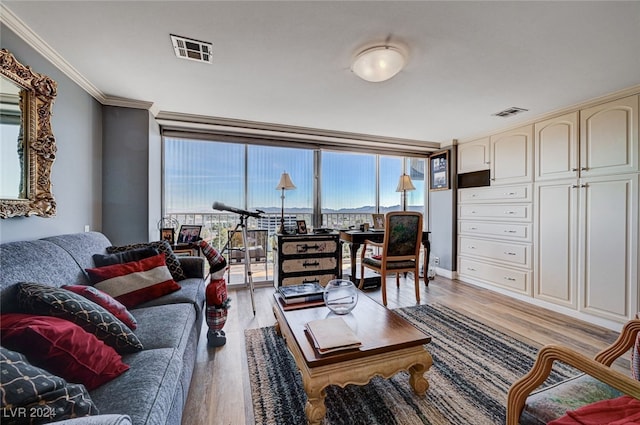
[(285, 183), (404, 184)]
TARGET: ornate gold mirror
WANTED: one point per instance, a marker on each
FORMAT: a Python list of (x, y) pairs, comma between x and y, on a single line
[(27, 145)]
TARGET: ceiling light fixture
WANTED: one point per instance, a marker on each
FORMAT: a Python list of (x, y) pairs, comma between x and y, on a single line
[(378, 63)]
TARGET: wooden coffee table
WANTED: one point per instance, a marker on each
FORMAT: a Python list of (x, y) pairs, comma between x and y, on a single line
[(390, 344)]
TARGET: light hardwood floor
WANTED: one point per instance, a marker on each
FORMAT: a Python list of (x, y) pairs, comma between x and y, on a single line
[(220, 392)]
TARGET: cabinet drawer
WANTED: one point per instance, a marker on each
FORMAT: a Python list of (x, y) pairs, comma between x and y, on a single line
[(516, 231), (312, 264), (520, 193), (496, 212), (309, 247), (517, 280), (322, 279), (514, 254)]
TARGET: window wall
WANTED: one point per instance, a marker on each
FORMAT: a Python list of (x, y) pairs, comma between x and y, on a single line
[(198, 173)]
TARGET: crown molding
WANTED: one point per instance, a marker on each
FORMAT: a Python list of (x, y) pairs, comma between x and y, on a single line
[(16, 25), (629, 91), (127, 103), (186, 122)]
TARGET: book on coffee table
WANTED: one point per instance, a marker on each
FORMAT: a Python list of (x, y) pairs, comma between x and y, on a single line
[(298, 306), (333, 334), (304, 293)]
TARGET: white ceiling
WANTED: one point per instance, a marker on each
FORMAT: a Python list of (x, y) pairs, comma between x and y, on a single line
[(288, 62)]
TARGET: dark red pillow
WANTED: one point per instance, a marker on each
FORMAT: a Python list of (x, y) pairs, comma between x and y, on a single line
[(62, 348), (136, 282), (105, 300)]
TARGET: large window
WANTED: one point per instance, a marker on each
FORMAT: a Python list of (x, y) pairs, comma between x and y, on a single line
[(353, 185)]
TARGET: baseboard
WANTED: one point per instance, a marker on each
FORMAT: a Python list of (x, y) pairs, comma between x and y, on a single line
[(450, 274), (594, 320)]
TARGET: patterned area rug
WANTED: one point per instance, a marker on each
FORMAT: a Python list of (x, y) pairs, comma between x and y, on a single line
[(473, 367)]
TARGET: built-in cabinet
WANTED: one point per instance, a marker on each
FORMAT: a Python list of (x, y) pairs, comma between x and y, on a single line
[(494, 236), (559, 222), (474, 156)]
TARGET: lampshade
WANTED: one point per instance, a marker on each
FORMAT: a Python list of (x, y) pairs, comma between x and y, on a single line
[(405, 183), (378, 63), (285, 182)]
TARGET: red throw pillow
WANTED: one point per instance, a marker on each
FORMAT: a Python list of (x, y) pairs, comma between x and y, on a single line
[(105, 300), (136, 282), (62, 348)]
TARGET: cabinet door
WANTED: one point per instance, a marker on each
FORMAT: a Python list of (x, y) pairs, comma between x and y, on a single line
[(609, 138), (556, 147), (609, 234), (556, 242), (512, 156), (473, 156)]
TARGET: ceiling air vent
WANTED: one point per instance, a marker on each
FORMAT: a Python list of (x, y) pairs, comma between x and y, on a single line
[(187, 48), (509, 112)]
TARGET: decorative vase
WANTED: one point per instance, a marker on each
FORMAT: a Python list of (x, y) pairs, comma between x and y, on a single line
[(340, 296)]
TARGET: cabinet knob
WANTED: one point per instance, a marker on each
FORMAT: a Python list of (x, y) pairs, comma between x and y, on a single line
[(574, 169), (471, 269), (473, 228), (510, 278), (584, 168), (510, 231), (509, 212), (509, 253), (471, 247), (509, 193)]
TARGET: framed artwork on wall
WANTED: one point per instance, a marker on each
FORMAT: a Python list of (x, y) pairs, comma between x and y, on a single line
[(189, 233), (439, 171)]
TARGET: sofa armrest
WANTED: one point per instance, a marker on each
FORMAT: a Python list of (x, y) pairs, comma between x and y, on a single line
[(598, 368), (193, 267), (98, 420)]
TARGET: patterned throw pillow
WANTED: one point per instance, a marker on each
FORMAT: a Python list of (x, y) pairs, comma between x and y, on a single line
[(136, 282), (36, 298), (105, 300), (163, 247), (62, 348), (42, 396), (101, 260)]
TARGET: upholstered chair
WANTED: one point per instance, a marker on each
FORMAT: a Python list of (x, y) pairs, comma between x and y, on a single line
[(400, 250)]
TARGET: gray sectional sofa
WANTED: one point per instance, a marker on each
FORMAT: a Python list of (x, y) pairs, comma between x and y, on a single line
[(154, 390)]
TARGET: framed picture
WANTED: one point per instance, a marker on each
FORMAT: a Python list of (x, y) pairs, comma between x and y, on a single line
[(168, 234), (302, 227), (189, 233), (378, 221), (439, 171)]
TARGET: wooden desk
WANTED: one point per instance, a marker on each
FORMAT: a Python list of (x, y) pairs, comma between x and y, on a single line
[(355, 238), (390, 344)]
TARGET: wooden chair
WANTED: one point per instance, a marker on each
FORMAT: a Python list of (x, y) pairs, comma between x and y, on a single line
[(597, 381), (400, 250)]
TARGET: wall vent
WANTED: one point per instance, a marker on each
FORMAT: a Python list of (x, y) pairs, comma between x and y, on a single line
[(509, 112), (195, 50)]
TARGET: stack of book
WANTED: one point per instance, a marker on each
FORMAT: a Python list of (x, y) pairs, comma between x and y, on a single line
[(333, 334), (304, 293)]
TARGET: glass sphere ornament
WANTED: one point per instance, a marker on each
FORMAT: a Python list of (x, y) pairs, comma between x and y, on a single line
[(341, 296)]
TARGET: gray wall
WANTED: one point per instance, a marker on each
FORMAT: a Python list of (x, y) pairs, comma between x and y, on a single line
[(77, 170), (127, 176)]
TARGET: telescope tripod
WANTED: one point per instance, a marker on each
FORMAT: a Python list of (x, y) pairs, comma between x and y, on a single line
[(248, 277)]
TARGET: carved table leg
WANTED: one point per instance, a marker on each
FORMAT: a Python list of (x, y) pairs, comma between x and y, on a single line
[(417, 380), (315, 408)]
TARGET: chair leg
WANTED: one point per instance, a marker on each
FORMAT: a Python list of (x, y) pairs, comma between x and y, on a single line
[(361, 285), (398, 279), (416, 283), (383, 281)]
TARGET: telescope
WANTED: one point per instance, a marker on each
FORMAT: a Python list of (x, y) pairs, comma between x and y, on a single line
[(222, 207)]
